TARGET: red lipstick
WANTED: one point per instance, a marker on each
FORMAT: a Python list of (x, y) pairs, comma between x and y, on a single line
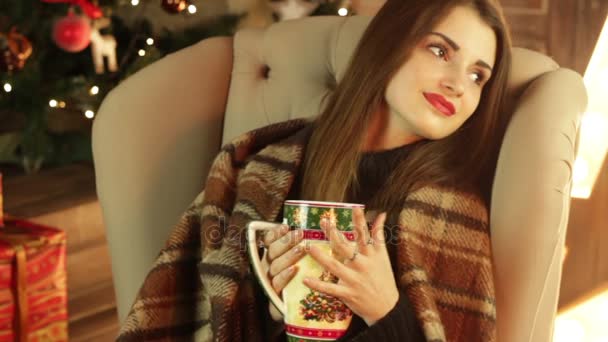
[(444, 106)]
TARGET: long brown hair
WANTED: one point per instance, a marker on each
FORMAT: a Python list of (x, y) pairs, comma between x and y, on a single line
[(468, 156)]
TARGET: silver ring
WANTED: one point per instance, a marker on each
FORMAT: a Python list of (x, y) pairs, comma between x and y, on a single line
[(355, 253), (370, 241)]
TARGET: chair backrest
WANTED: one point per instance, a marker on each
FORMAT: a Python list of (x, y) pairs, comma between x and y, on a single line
[(283, 72)]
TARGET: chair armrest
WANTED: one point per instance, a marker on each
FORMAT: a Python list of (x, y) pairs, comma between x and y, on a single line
[(530, 205), (154, 139), (527, 65)]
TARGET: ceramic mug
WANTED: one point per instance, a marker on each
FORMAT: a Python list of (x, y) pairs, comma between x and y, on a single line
[(308, 315)]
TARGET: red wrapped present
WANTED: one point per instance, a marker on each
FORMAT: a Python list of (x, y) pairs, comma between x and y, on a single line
[(1, 207), (33, 282)]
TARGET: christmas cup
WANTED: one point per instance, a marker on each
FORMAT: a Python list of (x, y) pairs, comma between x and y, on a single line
[(308, 315)]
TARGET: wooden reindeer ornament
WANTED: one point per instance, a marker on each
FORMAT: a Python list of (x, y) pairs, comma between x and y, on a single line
[(103, 46)]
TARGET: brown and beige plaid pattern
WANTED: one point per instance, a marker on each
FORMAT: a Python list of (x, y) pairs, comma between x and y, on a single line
[(201, 287)]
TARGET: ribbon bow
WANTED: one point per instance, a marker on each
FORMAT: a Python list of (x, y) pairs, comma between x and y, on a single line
[(91, 10)]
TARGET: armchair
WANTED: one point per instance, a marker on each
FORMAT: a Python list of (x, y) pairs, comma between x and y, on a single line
[(157, 133)]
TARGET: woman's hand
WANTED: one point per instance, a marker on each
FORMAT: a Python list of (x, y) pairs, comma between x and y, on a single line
[(281, 255), (367, 285)]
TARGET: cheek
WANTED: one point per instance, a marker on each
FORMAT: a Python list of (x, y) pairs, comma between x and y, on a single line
[(395, 90), (403, 86), (470, 103)]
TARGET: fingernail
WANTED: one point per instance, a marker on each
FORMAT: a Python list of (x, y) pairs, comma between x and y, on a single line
[(291, 269), (297, 250)]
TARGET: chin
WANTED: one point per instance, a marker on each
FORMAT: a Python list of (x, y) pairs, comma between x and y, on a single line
[(436, 137), (433, 131), (430, 135)]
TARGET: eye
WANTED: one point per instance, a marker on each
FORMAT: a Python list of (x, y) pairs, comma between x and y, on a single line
[(478, 77), (439, 50)]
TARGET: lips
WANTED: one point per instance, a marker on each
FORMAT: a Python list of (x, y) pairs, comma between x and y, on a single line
[(440, 103)]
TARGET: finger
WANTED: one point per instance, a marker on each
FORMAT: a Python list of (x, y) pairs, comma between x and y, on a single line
[(281, 245), (362, 233), (331, 264), (331, 289), (274, 232), (378, 231), (287, 259), (337, 240), (282, 279)]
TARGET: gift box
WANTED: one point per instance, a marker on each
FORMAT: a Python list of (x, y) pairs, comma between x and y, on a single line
[(1, 207), (33, 291)]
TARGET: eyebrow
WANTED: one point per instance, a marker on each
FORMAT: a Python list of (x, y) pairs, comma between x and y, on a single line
[(456, 48)]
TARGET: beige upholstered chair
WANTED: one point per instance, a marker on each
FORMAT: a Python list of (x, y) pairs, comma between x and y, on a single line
[(157, 132)]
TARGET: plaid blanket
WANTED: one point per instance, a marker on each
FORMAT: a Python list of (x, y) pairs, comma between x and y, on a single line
[(201, 286)]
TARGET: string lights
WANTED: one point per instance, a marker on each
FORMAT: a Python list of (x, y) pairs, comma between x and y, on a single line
[(94, 90), (56, 104)]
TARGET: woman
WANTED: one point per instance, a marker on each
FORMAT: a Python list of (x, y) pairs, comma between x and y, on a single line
[(411, 130), (431, 120)]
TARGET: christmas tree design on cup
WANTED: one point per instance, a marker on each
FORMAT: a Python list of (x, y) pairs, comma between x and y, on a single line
[(321, 307)]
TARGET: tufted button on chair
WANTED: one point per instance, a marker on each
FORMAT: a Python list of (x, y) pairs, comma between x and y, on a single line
[(157, 133)]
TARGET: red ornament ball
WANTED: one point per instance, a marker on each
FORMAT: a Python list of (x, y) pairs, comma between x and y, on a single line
[(174, 6), (72, 33)]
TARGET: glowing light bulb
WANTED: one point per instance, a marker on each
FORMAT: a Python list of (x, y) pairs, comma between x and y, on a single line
[(53, 103), (134, 2), (141, 52), (192, 9), (343, 12), (89, 114), (150, 41), (94, 90), (8, 87)]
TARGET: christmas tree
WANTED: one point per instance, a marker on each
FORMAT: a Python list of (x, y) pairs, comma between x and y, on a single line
[(321, 307), (59, 58)]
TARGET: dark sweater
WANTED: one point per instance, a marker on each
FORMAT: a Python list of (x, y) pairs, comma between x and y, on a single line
[(400, 324)]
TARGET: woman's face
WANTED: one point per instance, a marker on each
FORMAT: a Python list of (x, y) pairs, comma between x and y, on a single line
[(439, 86)]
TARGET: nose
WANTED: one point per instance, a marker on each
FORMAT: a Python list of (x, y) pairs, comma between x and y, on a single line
[(453, 82)]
